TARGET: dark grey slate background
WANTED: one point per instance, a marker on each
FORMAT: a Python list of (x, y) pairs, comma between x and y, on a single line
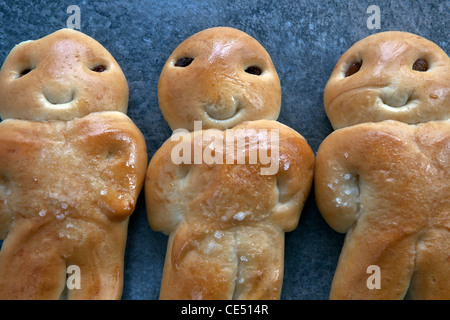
[(304, 39)]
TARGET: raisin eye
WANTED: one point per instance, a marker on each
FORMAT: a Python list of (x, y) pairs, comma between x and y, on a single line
[(26, 71), (420, 65), (254, 70), (183, 62), (353, 68), (99, 68)]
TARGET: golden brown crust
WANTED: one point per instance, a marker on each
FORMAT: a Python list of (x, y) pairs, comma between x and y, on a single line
[(386, 87), (215, 88), (70, 178), (386, 185), (226, 221), (68, 188), (61, 84)]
